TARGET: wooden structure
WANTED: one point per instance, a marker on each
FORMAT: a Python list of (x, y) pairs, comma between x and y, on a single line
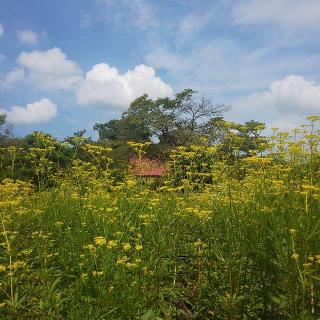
[(147, 167)]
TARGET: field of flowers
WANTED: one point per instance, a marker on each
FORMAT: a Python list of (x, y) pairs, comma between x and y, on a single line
[(217, 238)]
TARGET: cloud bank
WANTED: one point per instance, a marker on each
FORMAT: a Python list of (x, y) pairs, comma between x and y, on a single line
[(103, 85), (43, 110)]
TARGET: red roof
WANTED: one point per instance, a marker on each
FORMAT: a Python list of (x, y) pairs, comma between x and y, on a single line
[(147, 166)]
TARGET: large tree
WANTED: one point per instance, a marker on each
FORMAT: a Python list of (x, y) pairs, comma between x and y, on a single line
[(174, 121)]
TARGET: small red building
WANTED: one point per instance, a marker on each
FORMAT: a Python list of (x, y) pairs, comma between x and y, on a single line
[(147, 167)]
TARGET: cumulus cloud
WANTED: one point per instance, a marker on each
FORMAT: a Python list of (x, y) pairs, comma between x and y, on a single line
[(291, 95), (39, 111), (1, 30), (50, 70), (27, 37), (105, 86)]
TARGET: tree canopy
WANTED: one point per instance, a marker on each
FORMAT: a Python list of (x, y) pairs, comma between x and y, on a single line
[(174, 121)]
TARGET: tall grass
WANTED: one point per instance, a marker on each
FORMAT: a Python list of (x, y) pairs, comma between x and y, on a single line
[(220, 238)]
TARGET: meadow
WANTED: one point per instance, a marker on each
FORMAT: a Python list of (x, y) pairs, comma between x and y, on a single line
[(218, 237)]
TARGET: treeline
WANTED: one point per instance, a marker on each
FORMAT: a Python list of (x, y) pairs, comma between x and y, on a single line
[(187, 119), (184, 120)]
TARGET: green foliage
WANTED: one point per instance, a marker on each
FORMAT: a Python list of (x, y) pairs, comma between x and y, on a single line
[(235, 139), (122, 130)]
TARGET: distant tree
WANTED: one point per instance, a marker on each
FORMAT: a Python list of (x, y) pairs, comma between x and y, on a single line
[(5, 131), (214, 130), (78, 138), (253, 140), (233, 137), (75, 143)]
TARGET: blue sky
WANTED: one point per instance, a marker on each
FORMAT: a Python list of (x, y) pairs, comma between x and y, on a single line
[(65, 65)]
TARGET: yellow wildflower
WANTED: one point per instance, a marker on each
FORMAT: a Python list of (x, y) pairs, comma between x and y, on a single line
[(130, 265), (122, 260), (112, 244), (84, 276), (58, 224), (126, 246), (295, 256), (19, 264), (91, 248), (100, 241), (293, 231)]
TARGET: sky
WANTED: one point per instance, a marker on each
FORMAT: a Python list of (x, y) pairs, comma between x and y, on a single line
[(66, 65)]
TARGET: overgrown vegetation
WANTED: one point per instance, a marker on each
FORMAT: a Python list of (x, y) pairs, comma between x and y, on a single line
[(227, 234)]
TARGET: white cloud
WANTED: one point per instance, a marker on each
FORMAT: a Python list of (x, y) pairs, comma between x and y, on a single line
[(50, 70), (284, 105), (291, 95), (15, 75), (27, 37), (289, 14), (1, 30), (39, 111), (105, 86)]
